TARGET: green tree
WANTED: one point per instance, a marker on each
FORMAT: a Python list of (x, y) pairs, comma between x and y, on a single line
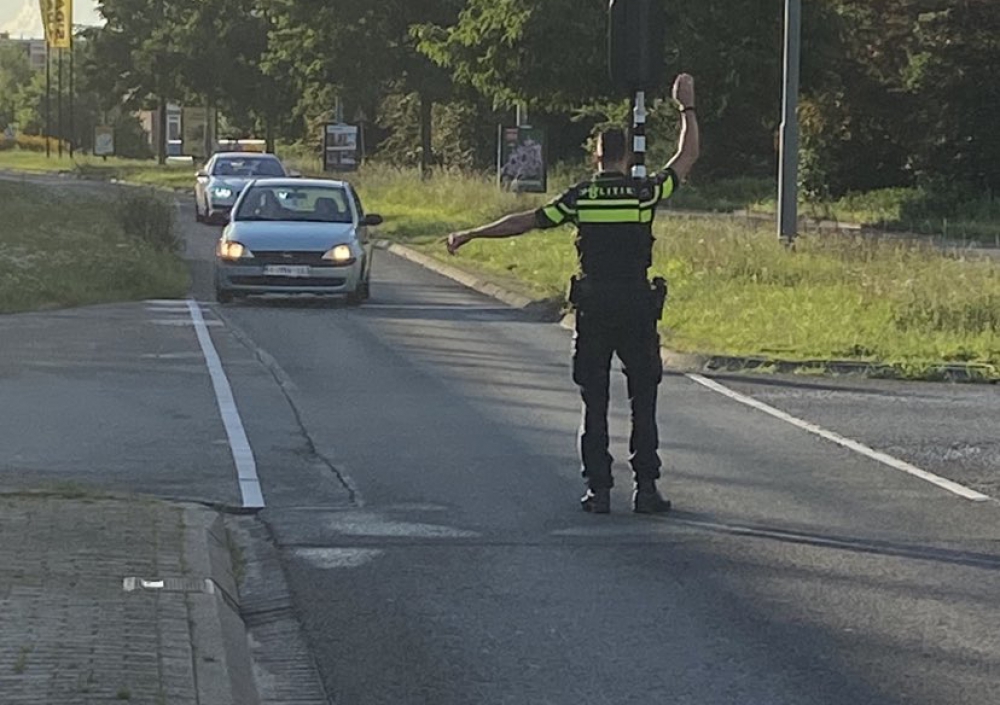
[(137, 58), (357, 52), (900, 92), (15, 74), (552, 57), (526, 51)]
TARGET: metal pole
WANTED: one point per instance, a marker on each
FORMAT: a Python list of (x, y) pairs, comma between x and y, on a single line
[(48, 100), (72, 125), (789, 170), (639, 135), (59, 119)]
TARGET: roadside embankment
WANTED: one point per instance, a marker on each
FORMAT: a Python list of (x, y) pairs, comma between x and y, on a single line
[(62, 246)]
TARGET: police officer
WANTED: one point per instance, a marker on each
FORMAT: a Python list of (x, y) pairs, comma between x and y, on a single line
[(617, 308)]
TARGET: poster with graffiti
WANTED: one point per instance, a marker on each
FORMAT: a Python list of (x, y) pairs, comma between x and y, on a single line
[(522, 159)]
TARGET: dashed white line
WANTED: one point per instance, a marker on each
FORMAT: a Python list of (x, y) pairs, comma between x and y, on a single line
[(246, 465), (861, 448)]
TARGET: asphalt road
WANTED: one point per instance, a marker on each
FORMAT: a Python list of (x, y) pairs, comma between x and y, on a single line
[(416, 456)]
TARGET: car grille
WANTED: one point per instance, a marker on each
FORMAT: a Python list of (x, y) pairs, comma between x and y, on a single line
[(313, 259), (288, 282)]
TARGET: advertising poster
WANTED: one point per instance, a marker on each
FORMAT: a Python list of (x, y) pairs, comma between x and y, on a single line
[(104, 141), (522, 159), (197, 132), (340, 147)]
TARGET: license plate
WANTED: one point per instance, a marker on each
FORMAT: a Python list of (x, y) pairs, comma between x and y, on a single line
[(285, 270)]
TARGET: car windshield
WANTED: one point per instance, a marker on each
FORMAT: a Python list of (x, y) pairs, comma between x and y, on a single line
[(311, 204), (247, 167)]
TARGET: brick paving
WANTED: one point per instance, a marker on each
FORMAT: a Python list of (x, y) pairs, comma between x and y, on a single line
[(69, 632)]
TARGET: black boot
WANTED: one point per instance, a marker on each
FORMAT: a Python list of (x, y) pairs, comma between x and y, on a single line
[(647, 500), (597, 501)]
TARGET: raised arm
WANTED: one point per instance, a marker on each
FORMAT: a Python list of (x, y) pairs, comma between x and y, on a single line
[(689, 143)]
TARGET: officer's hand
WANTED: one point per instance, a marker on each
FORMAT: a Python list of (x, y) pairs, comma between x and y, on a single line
[(684, 90), (456, 240)]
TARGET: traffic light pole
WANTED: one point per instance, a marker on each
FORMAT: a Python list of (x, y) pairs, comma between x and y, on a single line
[(639, 135)]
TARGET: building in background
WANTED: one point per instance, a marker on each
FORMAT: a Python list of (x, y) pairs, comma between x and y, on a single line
[(150, 121), (33, 48)]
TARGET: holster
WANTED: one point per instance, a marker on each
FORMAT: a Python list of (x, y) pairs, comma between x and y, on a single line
[(585, 296), (578, 292), (659, 290)]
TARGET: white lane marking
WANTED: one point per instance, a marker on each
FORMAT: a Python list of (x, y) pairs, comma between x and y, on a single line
[(861, 448), (181, 323), (246, 466)]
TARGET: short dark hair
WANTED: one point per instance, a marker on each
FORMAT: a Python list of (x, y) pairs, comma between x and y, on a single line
[(613, 144)]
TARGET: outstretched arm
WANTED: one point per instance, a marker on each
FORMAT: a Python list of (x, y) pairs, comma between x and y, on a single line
[(689, 144), (508, 226)]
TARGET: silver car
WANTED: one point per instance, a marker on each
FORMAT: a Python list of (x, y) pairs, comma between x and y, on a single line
[(296, 236), (220, 182)]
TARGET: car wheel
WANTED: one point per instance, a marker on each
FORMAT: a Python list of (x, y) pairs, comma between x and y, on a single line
[(198, 218), (365, 290)]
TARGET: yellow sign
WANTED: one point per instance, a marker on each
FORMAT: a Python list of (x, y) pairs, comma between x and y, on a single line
[(57, 16), (43, 5)]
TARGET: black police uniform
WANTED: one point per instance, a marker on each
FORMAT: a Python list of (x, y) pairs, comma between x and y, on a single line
[(617, 311)]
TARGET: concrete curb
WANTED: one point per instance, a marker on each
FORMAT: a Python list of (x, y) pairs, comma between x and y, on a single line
[(682, 362), (223, 665)]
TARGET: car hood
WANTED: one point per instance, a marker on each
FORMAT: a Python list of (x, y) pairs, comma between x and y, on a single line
[(299, 237)]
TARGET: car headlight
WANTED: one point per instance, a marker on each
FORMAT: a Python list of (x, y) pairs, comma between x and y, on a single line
[(230, 250), (340, 254), (222, 192)]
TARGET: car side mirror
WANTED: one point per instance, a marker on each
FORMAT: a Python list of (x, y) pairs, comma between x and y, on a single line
[(294, 174), (200, 174), (373, 219)]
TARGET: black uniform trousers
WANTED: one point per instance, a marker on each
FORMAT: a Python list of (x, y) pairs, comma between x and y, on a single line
[(626, 327)]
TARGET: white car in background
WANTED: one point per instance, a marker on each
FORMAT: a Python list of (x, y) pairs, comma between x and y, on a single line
[(219, 183)]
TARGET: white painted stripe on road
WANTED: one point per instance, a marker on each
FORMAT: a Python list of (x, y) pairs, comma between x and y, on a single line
[(246, 465), (861, 448)]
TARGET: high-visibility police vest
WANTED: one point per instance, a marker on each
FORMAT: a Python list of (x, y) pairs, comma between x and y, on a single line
[(614, 217)]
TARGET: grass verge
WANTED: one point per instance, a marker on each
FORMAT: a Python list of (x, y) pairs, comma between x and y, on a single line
[(59, 248), (734, 289)]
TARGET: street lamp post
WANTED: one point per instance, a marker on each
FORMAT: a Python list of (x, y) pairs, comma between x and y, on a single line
[(789, 169)]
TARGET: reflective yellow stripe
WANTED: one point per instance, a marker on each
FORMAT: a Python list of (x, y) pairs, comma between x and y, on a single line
[(602, 202), (657, 191), (668, 188), (554, 214), (609, 215), (564, 208), (646, 215)]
